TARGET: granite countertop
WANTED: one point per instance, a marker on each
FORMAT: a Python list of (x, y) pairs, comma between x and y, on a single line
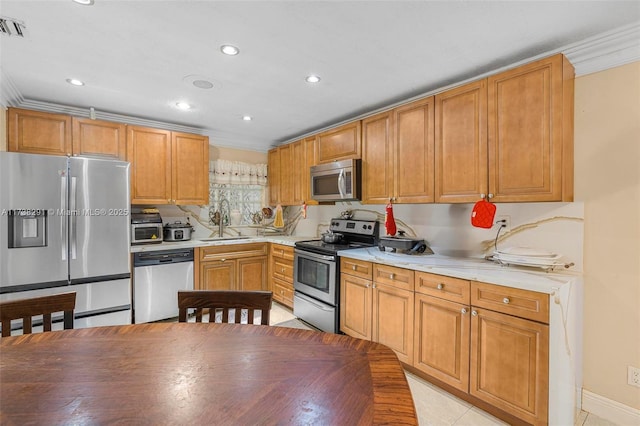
[(286, 240), (474, 269)]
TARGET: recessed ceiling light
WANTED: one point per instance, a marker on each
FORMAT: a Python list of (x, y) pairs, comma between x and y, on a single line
[(228, 49), (84, 2), (75, 82), (312, 78), (183, 106), (247, 117)]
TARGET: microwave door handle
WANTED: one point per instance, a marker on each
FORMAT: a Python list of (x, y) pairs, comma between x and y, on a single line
[(63, 211), (342, 187)]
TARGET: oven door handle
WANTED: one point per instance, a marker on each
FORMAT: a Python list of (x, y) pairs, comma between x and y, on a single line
[(313, 302), (310, 255)]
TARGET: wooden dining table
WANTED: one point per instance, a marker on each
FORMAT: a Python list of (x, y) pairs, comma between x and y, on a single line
[(187, 373)]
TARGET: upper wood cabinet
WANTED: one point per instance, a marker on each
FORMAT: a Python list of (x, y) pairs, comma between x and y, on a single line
[(461, 169), (288, 176), (168, 168), (37, 132), (414, 151), (377, 158), (530, 132), (189, 169), (273, 176), (398, 154), (99, 138), (340, 143)]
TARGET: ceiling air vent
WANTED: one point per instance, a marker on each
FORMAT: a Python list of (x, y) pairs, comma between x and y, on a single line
[(11, 27)]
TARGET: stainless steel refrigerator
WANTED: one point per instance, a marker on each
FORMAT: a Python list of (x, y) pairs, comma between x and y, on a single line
[(64, 226)]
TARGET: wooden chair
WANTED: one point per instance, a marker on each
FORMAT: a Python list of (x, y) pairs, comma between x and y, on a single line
[(25, 309), (224, 300)]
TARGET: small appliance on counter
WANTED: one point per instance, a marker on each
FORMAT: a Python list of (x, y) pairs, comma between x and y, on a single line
[(177, 231), (404, 245), (146, 227)]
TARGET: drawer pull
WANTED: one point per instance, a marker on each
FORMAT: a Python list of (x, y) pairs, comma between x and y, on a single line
[(222, 260), (463, 311), (440, 286), (506, 300), (282, 270), (392, 276), (354, 267), (474, 313)]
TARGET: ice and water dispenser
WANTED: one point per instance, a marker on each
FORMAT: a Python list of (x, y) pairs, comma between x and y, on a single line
[(27, 228)]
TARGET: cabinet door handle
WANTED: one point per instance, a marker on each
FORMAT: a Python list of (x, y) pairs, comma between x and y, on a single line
[(490, 195), (440, 286), (506, 300), (483, 195), (463, 311), (367, 285), (474, 313), (374, 285)]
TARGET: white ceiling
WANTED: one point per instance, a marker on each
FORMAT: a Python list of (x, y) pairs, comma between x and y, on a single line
[(136, 56)]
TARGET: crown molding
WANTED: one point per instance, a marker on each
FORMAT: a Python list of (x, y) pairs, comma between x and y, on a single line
[(107, 116), (606, 50)]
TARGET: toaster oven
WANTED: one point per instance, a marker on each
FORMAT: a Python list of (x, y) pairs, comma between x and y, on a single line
[(146, 228)]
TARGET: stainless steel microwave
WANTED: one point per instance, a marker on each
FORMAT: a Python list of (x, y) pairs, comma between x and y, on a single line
[(337, 181)]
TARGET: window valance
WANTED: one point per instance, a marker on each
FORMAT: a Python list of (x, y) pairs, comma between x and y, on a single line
[(237, 172)]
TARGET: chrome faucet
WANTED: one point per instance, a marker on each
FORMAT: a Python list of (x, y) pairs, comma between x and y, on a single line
[(223, 215)]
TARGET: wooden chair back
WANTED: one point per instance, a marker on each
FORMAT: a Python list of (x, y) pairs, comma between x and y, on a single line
[(26, 309), (225, 301)]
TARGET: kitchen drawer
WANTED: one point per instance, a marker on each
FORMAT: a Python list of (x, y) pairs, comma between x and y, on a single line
[(357, 268), (282, 251), (395, 277), (282, 269), (521, 303), (232, 251), (283, 292), (448, 288)]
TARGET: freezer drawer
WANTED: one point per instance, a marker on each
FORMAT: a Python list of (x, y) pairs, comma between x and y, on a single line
[(97, 304)]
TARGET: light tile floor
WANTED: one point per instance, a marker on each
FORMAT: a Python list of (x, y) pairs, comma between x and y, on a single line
[(436, 407)]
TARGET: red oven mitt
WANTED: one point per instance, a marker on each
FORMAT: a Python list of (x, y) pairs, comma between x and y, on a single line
[(483, 213)]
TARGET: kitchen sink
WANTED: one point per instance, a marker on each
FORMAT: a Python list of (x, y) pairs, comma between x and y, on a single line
[(225, 238)]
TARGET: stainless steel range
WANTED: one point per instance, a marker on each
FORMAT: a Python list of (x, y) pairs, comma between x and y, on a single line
[(316, 271)]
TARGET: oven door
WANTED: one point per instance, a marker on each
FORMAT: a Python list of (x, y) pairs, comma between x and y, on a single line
[(315, 275)]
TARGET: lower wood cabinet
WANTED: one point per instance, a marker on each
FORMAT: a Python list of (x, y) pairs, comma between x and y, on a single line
[(281, 273), (381, 309), (487, 341), (231, 267)]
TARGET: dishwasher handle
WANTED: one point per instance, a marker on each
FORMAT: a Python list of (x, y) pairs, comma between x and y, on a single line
[(162, 257)]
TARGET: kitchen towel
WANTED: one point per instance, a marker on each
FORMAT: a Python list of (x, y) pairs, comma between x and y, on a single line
[(389, 221)]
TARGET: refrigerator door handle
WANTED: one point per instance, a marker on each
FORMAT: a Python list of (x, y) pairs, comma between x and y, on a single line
[(74, 216), (63, 212)]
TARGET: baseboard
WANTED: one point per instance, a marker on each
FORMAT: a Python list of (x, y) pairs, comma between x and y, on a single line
[(609, 409)]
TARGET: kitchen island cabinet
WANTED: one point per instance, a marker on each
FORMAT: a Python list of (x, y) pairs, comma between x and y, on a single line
[(168, 167), (231, 267)]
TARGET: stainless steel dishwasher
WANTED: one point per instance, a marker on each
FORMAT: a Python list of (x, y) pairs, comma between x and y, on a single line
[(158, 275)]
